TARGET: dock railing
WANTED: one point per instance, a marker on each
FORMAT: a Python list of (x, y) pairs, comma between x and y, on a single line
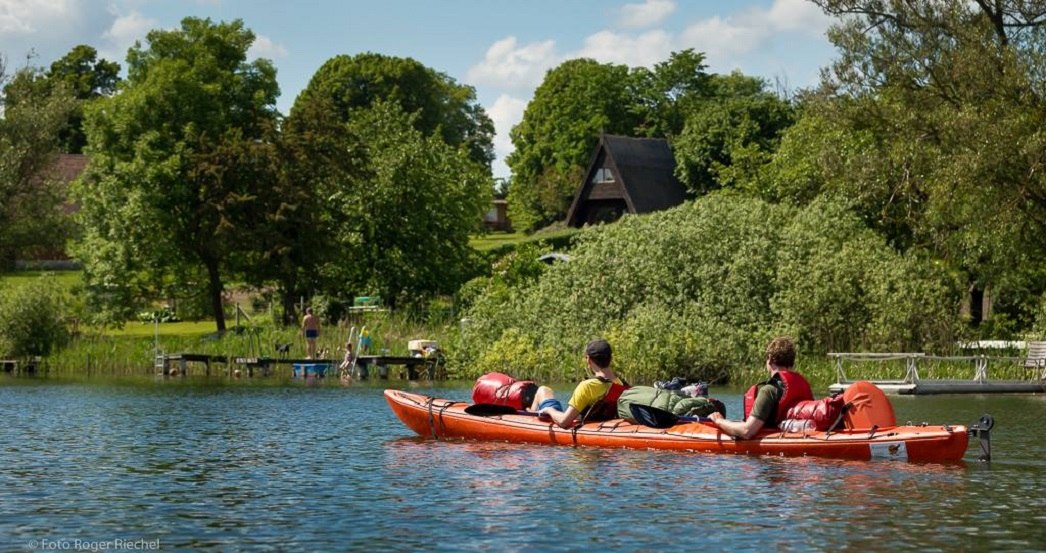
[(1029, 368)]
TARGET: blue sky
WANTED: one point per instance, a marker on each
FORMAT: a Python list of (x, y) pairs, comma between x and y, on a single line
[(501, 47)]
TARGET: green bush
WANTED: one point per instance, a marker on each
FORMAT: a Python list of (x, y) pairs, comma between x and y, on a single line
[(698, 290), (33, 318)]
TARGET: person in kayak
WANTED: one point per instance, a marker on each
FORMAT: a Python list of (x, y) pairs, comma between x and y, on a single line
[(767, 402), (593, 399)]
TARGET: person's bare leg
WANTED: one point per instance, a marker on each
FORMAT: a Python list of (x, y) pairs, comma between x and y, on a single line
[(543, 393)]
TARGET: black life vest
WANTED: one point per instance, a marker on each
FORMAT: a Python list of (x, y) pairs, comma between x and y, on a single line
[(794, 388)]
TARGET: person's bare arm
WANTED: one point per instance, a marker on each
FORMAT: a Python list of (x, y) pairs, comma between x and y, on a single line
[(739, 429), (565, 419)]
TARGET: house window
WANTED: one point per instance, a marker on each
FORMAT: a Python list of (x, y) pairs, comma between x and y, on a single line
[(603, 175)]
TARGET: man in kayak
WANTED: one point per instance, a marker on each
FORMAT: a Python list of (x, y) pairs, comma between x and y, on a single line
[(766, 402), (593, 399)]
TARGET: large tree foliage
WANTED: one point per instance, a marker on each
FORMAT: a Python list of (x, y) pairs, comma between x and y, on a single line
[(181, 167), (31, 197), (391, 163), (931, 124), (345, 84), (730, 134), (405, 226)]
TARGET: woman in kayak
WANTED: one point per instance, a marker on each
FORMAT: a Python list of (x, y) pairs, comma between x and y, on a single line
[(593, 399), (767, 402)]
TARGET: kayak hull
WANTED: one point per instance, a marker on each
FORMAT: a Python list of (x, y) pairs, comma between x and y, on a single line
[(445, 419)]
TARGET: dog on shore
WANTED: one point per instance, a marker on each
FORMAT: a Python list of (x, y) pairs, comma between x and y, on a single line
[(283, 350)]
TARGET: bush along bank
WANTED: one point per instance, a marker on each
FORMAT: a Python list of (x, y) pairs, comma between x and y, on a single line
[(697, 291)]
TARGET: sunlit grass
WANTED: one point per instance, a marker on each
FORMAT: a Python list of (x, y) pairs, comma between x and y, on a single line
[(493, 240), (183, 328), (67, 279)]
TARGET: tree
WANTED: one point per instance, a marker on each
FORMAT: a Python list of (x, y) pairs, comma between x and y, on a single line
[(722, 127), (80, 73), (319, 159), (389, 162), (441, 106), (30, 197), (404, 227), (577, 101), (730, 133), (942, 103), (182, 166)]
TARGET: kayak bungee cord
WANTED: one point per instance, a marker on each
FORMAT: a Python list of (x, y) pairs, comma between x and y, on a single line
[(429, 404)]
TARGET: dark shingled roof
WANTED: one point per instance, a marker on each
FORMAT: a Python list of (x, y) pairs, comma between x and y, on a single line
[(644, 168)]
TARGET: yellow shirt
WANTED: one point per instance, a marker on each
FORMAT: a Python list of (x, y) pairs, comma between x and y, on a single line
[(588, 392)]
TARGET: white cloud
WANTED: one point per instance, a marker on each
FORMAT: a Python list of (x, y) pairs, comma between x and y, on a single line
[(511, 66), (122, 34), (645, 49), (647, 14), (506, 112), (798, 16), (724, 40), (31, 16), (264, 47)]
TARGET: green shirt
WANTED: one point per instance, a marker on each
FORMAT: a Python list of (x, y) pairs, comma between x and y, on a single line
[(765, 406)]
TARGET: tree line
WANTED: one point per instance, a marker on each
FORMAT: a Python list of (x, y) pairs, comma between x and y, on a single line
[(926, 128)]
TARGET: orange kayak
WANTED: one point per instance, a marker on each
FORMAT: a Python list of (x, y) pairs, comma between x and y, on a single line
[(446, 419)]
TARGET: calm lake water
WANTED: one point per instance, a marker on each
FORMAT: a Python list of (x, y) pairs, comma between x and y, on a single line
[(269, 466)]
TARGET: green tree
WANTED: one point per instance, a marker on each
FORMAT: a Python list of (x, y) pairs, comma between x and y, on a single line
[(698, 289), (576, 102), (31, 197), (930, 125), (441, 105), (182, 166), (730, 133), (320, 158), (404, 227), (81, 73)]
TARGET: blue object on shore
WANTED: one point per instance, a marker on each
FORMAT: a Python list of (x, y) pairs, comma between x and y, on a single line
[(306, 369)]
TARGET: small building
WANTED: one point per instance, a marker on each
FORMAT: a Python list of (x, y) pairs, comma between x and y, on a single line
[(626, 175), (497, 217)]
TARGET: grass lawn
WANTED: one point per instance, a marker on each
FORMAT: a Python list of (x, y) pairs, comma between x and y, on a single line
[(183, 328), (67, 279), (490, 241)]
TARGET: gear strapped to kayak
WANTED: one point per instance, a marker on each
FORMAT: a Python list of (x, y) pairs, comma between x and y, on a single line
[(501, 389)]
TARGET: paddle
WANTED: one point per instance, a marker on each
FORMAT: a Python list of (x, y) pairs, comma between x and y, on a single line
[(659, 418)]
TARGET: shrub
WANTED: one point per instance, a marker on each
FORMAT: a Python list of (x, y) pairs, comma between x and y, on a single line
[(698, 290), (33, 318)]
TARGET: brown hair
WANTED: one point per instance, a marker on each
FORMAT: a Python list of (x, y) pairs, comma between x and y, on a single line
[(781, 352)]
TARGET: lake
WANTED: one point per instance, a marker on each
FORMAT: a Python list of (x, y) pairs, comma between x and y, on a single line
[(268, 465)]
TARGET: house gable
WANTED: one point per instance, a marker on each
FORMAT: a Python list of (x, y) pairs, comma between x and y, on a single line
[(626, 175)]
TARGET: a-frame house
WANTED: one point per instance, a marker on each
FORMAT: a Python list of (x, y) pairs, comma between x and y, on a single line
[(626, 175)]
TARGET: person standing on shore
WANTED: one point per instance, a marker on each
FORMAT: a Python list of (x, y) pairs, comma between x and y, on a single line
[(310, 327)]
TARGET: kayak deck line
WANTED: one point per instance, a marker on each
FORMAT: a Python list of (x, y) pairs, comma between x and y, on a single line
[(445, 419)]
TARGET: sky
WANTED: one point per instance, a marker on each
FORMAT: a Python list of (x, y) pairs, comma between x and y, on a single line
[(502, 48)]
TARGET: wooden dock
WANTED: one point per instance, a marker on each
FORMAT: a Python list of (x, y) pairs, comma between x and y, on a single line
[(982, 379), (366, 365)]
